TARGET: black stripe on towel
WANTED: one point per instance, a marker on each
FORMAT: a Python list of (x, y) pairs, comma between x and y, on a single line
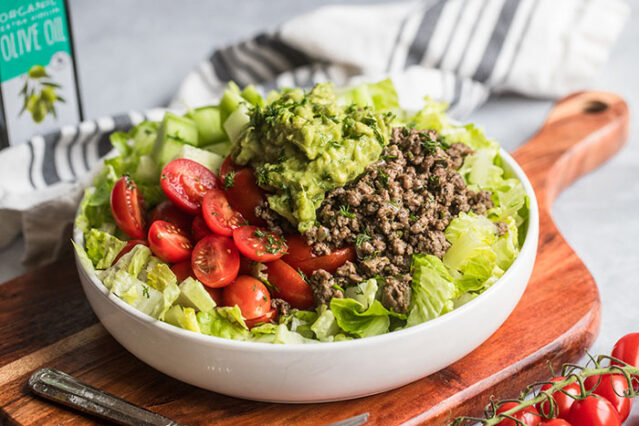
[(419, 46), (49, 172), (121, 123)]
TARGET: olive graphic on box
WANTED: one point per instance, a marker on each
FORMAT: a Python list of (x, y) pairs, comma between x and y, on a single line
[(40, 94)]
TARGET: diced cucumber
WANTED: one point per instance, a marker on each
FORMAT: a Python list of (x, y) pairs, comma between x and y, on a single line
[(208, 121), (144, 136), (237, 123), (206, 158), (231, 100), (251, 94), (174, 132), (175, 316), (147, 170), (194, 295), (222, 149)]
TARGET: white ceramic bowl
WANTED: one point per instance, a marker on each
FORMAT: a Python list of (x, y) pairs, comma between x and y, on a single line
[(325, 371)]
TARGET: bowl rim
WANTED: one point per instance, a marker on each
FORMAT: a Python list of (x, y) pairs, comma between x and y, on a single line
[(528, 249)]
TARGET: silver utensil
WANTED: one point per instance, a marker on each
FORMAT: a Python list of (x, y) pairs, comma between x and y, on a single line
[(65, 389), (352, 421)]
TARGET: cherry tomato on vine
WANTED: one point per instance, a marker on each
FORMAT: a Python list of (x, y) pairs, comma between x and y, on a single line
[(289, 285), (127, 207), (529, 415), (300, 256), (627, 349), (258, 244), (168, 212), (185, 182), (218, 214), (250, 295), (593, 411), (127, 248), (564, 402), (555, 422), (610, 387), (215, 261), (168, 242)]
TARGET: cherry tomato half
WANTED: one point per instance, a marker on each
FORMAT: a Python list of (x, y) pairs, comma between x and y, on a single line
[(564, 402), (215, 261), (185, 182), (228, 166), (127, 248), (218, 213), (199, 229), (267, 317), (610, 387), (127, 207), (529, 416), (593, 411), (183, 270), (258, 244), (168, 242), (246, 265), (250, 295), (167, 212), (244, 196), (300, 256), (290, 285), (216, 295)]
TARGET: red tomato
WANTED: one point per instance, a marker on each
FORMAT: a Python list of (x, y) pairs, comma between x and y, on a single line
[(216, 294), (249, 294), (228, 166), (127, 207), (290, 285), (168, 242), (183, 270), (168, 212), (199, 229), (258, 244), (246, 265), (215, 261), (564, 402), (529, 416), (300, 256), (219, 215), (127, 248), (185, 182), (244, 195), (555, 422), (267, 317), (593, 411), (610, 387), (627, 349)]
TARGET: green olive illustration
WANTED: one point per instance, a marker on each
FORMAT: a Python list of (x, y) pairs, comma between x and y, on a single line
[(40, 94)]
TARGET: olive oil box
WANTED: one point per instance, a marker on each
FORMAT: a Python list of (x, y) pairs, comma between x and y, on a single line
[(38, 80)]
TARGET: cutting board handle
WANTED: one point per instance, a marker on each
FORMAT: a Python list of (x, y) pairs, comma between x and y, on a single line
[(582, 131)]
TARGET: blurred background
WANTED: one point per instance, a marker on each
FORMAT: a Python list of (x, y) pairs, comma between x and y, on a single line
[(132, 55)]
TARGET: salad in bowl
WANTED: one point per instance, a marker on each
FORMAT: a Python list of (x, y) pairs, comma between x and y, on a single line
[(311, 216)]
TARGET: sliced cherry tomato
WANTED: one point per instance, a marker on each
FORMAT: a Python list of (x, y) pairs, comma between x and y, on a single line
[(246, 265), (169, 213), (300, 256), (564, 402), (185, 182), (556, 422), (215, 261), (244, 196), (127, 206), (168, 242), (610, 387), (183, 270), (529, 416), (228, 166), (267, 317), (218, 213), (250, 295), (127, 248), (593, 411), (216, 294), (199, 229), (258, 244), (290, 285)]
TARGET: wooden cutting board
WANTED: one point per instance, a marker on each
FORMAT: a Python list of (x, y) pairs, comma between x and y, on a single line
[(45, 320)]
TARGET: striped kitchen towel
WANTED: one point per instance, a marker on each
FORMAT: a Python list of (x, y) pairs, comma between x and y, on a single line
[(457, 51)]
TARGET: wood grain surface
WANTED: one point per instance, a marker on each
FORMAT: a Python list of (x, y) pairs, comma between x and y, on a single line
[(45, 319)]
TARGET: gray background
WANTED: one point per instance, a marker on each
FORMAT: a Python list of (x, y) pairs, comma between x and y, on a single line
[(133, 55)]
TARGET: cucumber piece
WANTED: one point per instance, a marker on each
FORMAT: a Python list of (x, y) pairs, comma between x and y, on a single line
[(253, 97), (147, 170), (206, 158), (231, 100), (191, 320), (144, 136), (223, 149), (175, 316), (237, 123), (174, 132), (208, 121), (194, 295)]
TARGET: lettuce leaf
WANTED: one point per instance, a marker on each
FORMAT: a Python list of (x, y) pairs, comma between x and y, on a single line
[(224, 322), (433, 290), (102, 248), (382, 96)]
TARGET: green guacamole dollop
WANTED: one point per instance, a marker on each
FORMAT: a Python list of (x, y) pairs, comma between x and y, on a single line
[(303, 144)]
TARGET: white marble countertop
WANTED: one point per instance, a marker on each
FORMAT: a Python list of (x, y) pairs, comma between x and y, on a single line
[(147, 46)]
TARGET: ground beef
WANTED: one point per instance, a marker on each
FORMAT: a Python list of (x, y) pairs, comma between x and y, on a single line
[(282, 307), (401, 205)]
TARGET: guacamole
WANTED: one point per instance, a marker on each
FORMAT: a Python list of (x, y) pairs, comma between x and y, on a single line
[(304, 144)]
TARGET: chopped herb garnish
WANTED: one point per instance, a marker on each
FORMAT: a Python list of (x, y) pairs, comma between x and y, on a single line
[(362, 237), (337, 287), (145, 291), (302, 274), (229, 179), (412, 217), (382, 176), (345, 211)]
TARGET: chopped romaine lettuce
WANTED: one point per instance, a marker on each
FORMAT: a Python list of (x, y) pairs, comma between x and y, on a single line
[(102, 248), (433, 290)]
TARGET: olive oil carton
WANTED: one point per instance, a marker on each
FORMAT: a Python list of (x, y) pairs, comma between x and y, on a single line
[(38, 80)]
